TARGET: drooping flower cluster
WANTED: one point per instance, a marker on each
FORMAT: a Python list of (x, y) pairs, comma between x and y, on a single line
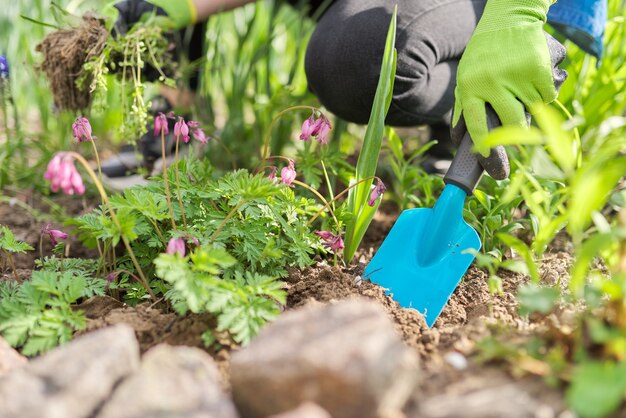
[(54, 234), (63, 175), (197, 132), (377, 191), (331, 241), (316, 128), (288, 174), (4, 68), (182, 129), (81, 128)]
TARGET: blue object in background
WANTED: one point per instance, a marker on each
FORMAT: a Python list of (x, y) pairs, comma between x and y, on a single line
[(4, 68), (582, 22)]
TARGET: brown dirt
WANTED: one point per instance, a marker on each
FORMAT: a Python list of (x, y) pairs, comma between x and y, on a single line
[(65, 51), (26, 216), (154, 326), (471, 314)]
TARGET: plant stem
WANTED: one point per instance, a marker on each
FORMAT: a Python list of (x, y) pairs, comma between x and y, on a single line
[(167, 185), (10, 257), (330, 187), (268, 134), (230, 215), (316, 193), (327, 206), (105, 198), (97, 157), (180, 200)]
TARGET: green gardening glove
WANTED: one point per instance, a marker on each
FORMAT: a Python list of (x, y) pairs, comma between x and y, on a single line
[(506, 64)]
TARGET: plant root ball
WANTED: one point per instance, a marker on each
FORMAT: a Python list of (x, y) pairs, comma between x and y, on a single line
[(65, 51)]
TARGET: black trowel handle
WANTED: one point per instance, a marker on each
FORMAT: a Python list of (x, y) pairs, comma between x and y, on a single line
[(465, 171)]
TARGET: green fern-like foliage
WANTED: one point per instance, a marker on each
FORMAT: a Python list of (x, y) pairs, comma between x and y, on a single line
[(9, 244), (37, 315), (242, 304), (263, 225)]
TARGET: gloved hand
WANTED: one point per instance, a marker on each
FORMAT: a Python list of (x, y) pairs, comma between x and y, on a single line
[(179, 13), (509, 63)]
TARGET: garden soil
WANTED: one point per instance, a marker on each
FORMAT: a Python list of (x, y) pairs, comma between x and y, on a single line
[(471, 315)]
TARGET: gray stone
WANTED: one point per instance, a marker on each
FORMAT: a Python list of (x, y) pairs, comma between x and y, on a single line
[(500, 398), (171, 382), (345, 357), (70, 381), (9, 358), (306, 410)]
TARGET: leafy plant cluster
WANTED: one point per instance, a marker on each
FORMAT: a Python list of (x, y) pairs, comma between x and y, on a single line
[(243, 231), (144, 49), (242, 304), (39, 314), (571, 185)]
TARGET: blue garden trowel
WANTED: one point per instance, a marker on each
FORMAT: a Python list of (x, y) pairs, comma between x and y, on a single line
[(428, 251)]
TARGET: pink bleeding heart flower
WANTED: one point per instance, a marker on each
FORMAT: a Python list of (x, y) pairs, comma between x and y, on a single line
[(307, 128), (316, 128), (63, 175), (176, 245), (161, 125), (200, 136), (376, 192), (81, 129), (288, 174), (54, 234), (322, 131), (331, 241), (181, 129)]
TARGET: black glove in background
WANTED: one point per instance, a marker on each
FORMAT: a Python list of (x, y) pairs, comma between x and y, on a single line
[(497, 163), (130, 12)]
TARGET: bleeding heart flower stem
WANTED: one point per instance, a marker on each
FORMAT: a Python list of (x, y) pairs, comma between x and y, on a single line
[(328, 204), (116, 221), (180, 200), (165, 182)]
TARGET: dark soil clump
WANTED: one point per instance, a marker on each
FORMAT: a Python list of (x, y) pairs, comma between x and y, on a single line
[(65, 51)]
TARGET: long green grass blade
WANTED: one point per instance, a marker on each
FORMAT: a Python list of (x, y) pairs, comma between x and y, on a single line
[(368, 157)]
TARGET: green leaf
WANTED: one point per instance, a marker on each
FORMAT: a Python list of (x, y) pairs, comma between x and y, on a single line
[(560, 143), (508, 135), (597, 389), (519, 246), (369, 155), (585, 254), (590, 190), (10, 244)]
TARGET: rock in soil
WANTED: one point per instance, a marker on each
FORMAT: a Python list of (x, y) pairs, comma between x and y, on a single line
[(491, 393), (171, 382), (345, 357), (9, 358), (73, 380), (306, 410)]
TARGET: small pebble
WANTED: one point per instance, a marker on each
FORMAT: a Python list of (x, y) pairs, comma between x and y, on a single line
[(456, 360)]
